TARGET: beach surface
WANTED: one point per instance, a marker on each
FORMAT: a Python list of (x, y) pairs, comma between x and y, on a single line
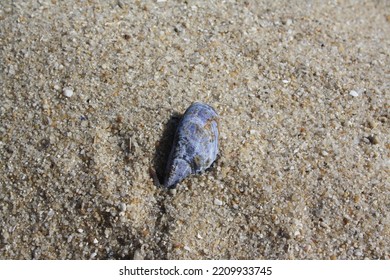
[(91, 94)]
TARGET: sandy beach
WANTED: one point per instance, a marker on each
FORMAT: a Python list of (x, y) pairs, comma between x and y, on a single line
[(91, 93)]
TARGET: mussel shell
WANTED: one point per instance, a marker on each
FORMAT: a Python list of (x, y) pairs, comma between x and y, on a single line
[(195, 146)]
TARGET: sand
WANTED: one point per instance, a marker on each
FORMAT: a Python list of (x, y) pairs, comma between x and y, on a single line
[(91, 92)]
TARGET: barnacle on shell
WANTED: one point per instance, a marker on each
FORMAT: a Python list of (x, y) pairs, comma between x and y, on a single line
[(195, 146)]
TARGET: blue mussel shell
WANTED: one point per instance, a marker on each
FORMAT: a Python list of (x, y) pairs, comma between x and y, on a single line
[(195, 146)]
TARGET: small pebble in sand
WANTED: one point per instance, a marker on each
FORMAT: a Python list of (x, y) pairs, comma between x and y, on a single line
[(123, 207), (358, 253), (372, 124), (139, 254), (80, 230), (373, 139), (50, 213), (218, 202), (353, 93), (68, 92)]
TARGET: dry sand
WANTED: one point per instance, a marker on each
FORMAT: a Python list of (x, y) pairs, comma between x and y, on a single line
[(302, 88)]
